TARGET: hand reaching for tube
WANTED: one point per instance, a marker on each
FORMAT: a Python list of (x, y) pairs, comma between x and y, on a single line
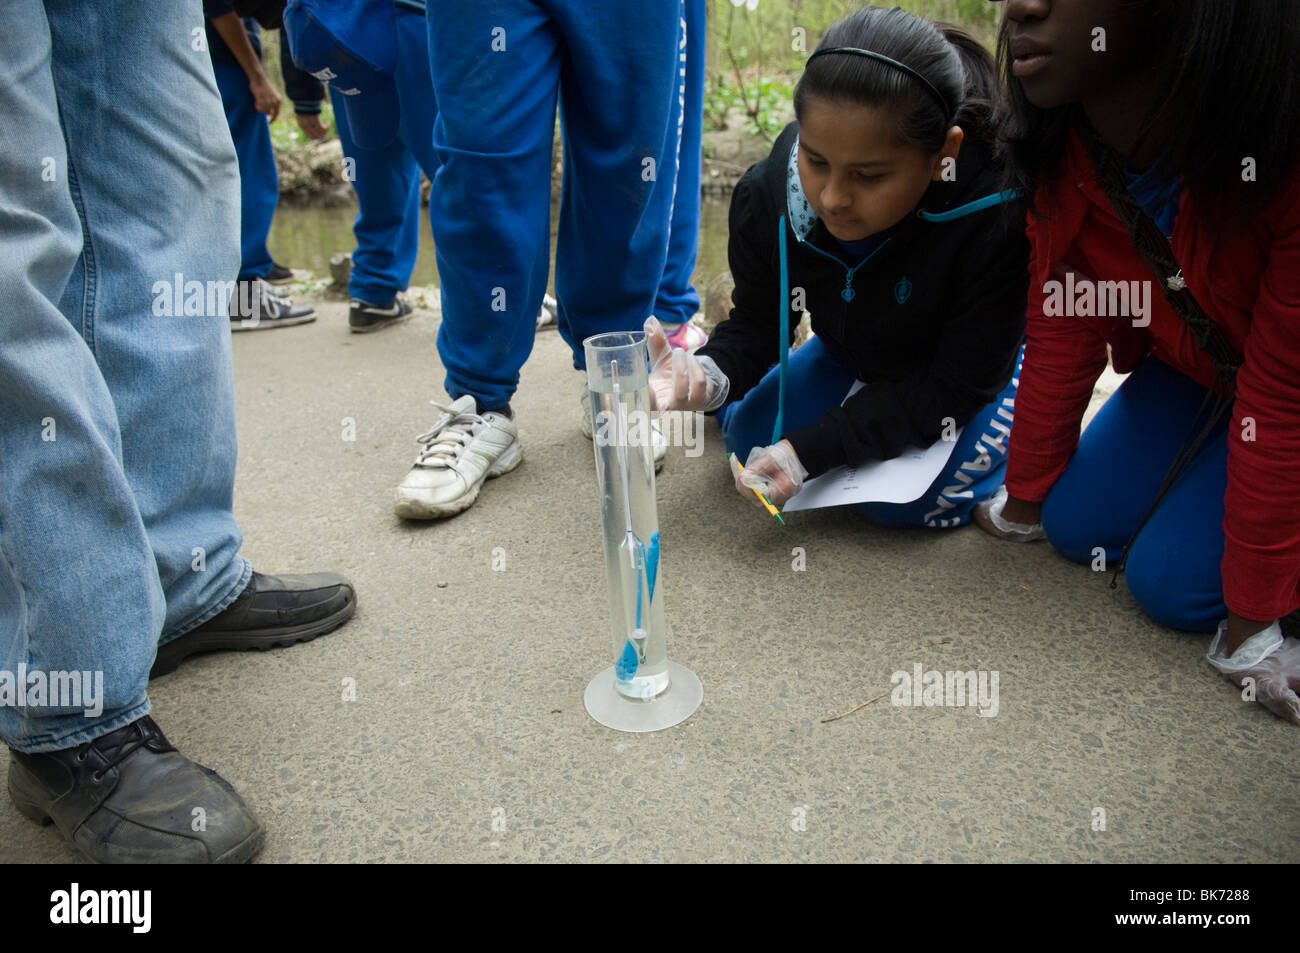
[(681, 381), (774, 471)]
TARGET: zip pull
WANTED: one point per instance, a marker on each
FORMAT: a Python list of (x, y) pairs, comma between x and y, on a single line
[(848, 293)]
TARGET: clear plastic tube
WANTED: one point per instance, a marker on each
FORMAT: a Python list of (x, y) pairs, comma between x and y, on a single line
[(618, 388)]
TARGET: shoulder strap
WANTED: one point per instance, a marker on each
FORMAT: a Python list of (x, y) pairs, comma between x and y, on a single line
[(1155, 251)]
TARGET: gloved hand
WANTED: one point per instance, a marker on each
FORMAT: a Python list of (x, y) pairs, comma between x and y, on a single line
[(681, 381), (774, 471), (989, 516), (1272, 661)]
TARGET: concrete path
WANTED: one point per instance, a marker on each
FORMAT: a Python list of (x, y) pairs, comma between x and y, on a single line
[(467, 740)]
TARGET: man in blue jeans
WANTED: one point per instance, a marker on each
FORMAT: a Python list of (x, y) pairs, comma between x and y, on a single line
[(119, 553)]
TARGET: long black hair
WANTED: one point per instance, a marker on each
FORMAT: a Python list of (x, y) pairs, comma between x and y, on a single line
[(1230, 82), (957, 66)]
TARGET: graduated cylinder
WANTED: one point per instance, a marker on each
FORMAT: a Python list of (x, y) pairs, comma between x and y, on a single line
[(618, 388)]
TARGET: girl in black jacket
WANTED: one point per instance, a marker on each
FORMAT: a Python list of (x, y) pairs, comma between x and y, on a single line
[(879, 212)]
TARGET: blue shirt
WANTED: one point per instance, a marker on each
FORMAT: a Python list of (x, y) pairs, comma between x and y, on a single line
[(859, 250), (1158, 193)]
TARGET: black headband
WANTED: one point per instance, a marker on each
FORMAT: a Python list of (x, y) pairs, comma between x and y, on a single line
[(882, 58)]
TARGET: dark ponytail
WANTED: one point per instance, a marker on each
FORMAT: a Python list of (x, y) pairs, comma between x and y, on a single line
[(961, 70)]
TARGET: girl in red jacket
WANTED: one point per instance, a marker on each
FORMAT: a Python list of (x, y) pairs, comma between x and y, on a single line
[(1131, 123)]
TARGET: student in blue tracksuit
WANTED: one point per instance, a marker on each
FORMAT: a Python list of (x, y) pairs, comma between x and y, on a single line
[(251, 103), (678, 300), (879, 211), (386, 177), (500, 70)]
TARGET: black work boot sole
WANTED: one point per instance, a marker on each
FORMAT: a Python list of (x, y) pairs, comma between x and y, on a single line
[(211, 637)]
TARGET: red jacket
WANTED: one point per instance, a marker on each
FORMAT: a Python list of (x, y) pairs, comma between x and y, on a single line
[(1250, 285)]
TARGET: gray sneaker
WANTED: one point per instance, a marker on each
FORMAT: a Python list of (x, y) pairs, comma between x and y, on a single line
[(257, 306), (459, 452), (129, 797)]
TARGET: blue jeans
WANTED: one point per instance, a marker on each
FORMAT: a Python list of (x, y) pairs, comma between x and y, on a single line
[(117, 424), (1173, 568), (387, 180), (816, 382), (258, 178), (499, 70)]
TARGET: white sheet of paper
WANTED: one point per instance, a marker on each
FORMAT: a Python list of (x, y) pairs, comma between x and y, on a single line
[(900, 480)]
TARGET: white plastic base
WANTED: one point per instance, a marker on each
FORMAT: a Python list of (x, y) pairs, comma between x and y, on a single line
[(607, 706)]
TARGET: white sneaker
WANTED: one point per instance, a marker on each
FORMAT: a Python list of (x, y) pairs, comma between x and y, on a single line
[(547, 314), (457, 454), (657, 439)]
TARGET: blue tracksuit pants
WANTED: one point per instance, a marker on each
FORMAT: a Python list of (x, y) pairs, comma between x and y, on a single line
[(259, 182), (816, 382), (387, 181), (1173, 568), (499, 70), (678, 299)]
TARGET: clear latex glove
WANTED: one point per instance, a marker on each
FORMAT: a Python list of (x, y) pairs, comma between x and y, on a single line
[(991, 510), (681, 381), (774, 471), (1271, 661)]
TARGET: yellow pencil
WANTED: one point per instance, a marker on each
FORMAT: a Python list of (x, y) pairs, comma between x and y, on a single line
[(762, 496)]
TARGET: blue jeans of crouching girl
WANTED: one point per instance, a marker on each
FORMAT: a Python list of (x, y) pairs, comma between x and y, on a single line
[(816, 382)]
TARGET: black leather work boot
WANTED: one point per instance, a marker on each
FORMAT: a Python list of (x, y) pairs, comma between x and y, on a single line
[(272, 610), (129, 797)]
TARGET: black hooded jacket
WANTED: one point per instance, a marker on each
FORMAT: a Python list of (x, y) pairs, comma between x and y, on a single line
[(932, 320)]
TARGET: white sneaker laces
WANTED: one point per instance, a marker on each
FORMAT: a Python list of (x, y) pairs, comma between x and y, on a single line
[(444, 442)]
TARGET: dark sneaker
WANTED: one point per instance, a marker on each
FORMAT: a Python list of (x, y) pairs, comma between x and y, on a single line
[(278, 275), (272, 610), (129, 797), (255, 306), (365, 316)]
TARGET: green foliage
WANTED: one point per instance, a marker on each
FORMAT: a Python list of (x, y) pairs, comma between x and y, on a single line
[(286, 134), (755, 56)]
